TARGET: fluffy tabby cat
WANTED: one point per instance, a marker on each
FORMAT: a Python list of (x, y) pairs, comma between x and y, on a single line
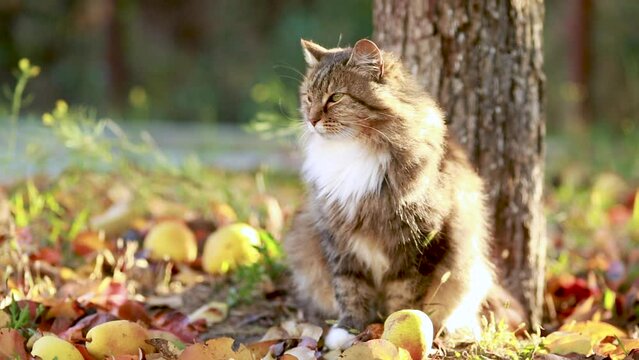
[(394, 216)]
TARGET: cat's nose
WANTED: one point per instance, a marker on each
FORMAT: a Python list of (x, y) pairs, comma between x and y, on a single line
[(314, 121)]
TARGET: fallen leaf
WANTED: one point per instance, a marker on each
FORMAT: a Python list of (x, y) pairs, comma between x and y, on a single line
[(562, 343), (262, 348), (301, 353), (115, 219), (212, 312), (133, 311), (220, 348), (167, 349), (375, 349), (616, 347), (47, 254), (372, 332), (595, 330), (12, 345), (292, 329), (177, 323), (4, 319), (79, 330), (88, 242)]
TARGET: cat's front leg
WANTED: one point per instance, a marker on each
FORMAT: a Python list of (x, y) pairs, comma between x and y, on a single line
[(353, 287), (355, 298), (405, 291)]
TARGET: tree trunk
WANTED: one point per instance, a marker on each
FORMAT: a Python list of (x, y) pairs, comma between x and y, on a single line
[(579, 31), (482, 60)]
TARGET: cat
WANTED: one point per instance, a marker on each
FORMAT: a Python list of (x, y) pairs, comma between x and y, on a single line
[(394, 217)]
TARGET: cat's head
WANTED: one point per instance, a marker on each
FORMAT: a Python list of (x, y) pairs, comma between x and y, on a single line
[(340, 94)]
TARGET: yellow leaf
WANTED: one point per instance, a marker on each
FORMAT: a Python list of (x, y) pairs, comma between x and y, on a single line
[(561, 342), (630, 344), (616, 351), (595, 330)]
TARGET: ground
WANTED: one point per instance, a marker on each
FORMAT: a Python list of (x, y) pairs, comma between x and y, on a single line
[(74, 255)]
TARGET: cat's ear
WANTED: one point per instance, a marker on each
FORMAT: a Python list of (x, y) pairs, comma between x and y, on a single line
[(367, 56), (313, 53)]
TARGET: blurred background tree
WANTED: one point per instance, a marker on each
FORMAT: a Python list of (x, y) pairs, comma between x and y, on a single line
[(191, 60), (199, 60)]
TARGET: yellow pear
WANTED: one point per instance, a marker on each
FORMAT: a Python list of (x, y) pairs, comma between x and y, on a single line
[(229, 247), (173, 240), (411, 330), (50, 347), (120, 337)]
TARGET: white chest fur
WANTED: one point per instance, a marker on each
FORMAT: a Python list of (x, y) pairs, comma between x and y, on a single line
[(343, 170)]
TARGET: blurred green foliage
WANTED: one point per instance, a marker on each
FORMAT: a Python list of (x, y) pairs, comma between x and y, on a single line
[(277, 115), (202, 60), (195, 60)]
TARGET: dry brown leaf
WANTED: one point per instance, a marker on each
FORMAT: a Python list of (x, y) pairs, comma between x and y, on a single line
[(217, 349), (261, 348), (375, 349), (166, 348)]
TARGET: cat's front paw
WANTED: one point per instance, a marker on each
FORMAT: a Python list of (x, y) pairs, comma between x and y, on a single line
[(338, 338)]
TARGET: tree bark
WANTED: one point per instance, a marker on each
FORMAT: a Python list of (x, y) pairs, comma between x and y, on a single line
[(483, 60)]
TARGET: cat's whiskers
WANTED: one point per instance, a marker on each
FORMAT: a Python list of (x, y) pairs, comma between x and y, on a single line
[(294, 70), (281, 108), (362, 124), (298, 81)]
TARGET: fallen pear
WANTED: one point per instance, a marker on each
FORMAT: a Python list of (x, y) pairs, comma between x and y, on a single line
[(378, 349), (411, 330), (120, 337), (50, 347), (229, 247), (173, 240)]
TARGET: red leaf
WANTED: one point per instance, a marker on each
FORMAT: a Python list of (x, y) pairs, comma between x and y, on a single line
[(177, 323), (49, 255), (80, 329), (12, 345), (60, 325), (133, 311), (62, 314)]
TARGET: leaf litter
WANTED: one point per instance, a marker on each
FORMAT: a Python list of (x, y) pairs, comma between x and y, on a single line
[(96, 270)]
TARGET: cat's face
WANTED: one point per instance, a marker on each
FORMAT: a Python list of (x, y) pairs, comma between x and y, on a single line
[(337, 96)]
